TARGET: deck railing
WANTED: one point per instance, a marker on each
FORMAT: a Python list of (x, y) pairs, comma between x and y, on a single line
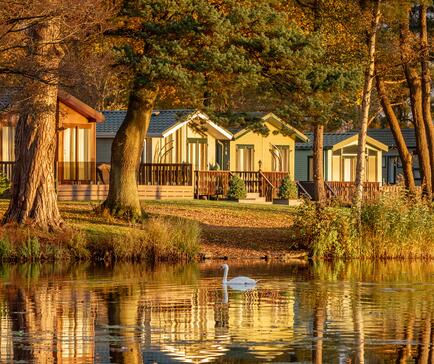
[(216, 183), (165, 174), (76, 172), (7, 169), (211, 183), (344, 191)]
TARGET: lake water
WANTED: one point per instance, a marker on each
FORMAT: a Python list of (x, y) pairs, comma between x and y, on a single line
[(299, 312)]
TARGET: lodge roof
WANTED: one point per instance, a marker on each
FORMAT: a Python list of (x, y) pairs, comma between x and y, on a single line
[(384, 136), (7, 100), (161, 120), (330, 139)]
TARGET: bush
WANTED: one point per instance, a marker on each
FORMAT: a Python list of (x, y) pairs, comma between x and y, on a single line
[(4, 184), (327, 232), (288, 189), (392, 227), (237, 189)]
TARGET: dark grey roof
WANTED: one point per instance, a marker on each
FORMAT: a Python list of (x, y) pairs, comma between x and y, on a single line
[(330, 139), (161, 120), (4, 101), (384, 136)]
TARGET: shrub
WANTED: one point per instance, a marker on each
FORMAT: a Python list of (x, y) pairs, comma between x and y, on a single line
[(237, 189), (327, 232), (4, 184), (288, 189)]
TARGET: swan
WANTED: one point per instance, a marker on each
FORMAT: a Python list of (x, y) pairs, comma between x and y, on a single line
[(237, 282)]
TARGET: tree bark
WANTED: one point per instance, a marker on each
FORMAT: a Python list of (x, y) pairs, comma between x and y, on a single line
[(426, 87), (404, 154), (123, 197), (415, 87), (366, 104), (34, 198), (318, 164)]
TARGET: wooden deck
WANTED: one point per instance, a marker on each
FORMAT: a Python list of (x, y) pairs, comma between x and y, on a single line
[(216, 183), (146, 192)]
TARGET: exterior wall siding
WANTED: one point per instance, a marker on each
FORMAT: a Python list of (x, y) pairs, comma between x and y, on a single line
[(262, 146), (103, 150), (301, 164)]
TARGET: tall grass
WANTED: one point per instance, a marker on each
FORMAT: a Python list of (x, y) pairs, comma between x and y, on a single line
[(156, 239), (393, 227)]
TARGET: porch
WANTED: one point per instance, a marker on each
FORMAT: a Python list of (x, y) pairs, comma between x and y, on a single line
[(89, 181), (85, 181)]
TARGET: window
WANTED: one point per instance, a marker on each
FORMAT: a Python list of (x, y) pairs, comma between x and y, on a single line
[(76, 154), (310, 168), (245, 158), (280, 158), (8, 143), (197, 153)]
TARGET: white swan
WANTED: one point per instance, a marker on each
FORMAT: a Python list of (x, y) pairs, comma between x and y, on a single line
[(237, 282)]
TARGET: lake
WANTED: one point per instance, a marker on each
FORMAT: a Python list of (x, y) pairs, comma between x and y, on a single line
[(357, 312)]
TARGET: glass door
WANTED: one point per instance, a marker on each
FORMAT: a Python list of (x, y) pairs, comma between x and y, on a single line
[(76, 164)]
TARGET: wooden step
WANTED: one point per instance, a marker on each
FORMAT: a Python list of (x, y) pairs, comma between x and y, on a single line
[(258, 200), (251, 195)]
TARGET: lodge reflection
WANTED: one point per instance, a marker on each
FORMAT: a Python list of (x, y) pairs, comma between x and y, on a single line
[(359, 312)]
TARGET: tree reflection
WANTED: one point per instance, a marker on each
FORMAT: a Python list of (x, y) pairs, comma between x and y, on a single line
[(325, 312)]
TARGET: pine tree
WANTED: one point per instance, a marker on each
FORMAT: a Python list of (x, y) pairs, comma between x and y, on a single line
[(199, 48)]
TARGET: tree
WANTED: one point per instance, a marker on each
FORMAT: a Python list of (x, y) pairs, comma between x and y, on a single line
[(329, 96), (366, 103), (404, 154), (202, 49), (414, 83), (426, 86), (35, 36)]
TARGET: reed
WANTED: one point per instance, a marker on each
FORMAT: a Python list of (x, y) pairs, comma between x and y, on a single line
[(393, 227)]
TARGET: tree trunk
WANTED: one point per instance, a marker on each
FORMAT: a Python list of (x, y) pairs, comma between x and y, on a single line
[(415, 87), (404, 154), (318, 164), (366, 104), (34, 198), (123, 196), (426, 87)]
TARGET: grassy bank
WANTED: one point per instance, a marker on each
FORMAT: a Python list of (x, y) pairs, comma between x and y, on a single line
[(175, 230), (393, 227), (91, 236)]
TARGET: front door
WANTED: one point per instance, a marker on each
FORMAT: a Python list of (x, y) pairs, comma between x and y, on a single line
[(197, 153), (349, 169)]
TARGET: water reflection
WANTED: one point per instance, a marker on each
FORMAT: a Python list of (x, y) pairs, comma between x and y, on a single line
[(321, 313)]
